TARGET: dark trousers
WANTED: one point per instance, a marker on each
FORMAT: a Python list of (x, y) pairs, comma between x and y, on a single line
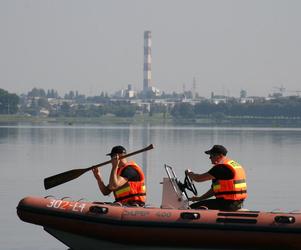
[(134, 204), (218, 204)]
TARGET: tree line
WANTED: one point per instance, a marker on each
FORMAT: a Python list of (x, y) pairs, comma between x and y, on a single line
[(119, 109), (283, 107), (274, 108), (97, 106)]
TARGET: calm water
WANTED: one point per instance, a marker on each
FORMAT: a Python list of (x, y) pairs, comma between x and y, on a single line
[(30, 153)]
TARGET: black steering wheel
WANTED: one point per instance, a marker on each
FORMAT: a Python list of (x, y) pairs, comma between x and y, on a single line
[(189, 185)]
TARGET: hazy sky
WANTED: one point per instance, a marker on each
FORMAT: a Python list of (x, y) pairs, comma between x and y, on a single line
[(96, 45)]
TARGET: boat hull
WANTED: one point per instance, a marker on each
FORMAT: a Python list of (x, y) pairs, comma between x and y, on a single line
[(82, 225)]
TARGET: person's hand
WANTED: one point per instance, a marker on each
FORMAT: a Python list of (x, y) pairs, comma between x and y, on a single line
[(115, 161), (189, 173), (194, 198), (96, 173)]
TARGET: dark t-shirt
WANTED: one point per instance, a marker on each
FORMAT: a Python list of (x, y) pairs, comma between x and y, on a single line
[(130, 174), (221, 172)]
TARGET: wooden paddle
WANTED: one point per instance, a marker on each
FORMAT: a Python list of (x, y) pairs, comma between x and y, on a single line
[(61, 178)]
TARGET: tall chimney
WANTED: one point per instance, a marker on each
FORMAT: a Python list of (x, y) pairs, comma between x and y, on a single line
[(147, 71), (193, 88)]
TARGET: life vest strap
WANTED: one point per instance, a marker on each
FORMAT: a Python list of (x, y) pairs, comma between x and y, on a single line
[(239, 181), (232, 192), (129, 196)]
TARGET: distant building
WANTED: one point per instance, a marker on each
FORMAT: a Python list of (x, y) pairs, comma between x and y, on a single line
[(247, 100), (44, 112), (216, 99), (126, 93), (154, 91)]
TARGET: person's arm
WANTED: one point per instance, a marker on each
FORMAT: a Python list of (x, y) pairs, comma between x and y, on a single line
[(102, 187), (205, 196), (199, 177), (116, 181)]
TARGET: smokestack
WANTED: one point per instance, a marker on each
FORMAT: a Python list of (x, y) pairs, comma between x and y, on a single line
[(193, 88), (147, 71)]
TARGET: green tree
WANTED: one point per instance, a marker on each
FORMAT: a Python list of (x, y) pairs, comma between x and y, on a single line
[(65, 109), (8, 102), (35, 92), (122, 109), (183, 110), (43, 103)]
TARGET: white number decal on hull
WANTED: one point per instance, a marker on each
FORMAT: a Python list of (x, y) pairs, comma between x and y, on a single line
[(63, 205)]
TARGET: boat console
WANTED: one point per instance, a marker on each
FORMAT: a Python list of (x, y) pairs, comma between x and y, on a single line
[(174, 193)]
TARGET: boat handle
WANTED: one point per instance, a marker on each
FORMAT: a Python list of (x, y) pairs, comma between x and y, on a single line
[(190, 216), (98, 210), (285, 219)]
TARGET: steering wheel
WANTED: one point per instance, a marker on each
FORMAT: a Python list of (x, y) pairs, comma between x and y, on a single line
[(188, 183)]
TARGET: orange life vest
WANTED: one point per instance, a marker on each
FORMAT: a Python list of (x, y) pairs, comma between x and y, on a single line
[(233, 189), (132, 190)]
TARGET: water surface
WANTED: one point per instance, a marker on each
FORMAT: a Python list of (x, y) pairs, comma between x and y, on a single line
[(30, 153)]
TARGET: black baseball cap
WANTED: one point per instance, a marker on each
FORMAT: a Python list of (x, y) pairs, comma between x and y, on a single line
[(117, 150), (217, 149)]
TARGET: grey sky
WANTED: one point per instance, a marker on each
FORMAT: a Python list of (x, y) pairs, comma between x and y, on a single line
[(96, 45)]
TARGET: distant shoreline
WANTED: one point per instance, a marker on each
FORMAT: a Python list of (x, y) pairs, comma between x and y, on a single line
[(158, 120)]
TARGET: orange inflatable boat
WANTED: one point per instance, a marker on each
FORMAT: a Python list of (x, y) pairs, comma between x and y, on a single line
[(100, 225)]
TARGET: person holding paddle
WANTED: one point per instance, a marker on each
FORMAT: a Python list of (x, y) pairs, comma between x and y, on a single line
[(228, 182), (126, 179)]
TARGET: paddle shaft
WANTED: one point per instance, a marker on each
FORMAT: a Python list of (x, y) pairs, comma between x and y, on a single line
[(64, 177), (121, 157)]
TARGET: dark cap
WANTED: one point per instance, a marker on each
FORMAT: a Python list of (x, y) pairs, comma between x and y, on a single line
[(117, 150), (217, 149)]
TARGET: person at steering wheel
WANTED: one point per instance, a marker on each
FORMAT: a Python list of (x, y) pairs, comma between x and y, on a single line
[(228, 182)]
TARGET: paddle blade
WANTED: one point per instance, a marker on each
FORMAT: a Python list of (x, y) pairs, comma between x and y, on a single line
[(61, 178)]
